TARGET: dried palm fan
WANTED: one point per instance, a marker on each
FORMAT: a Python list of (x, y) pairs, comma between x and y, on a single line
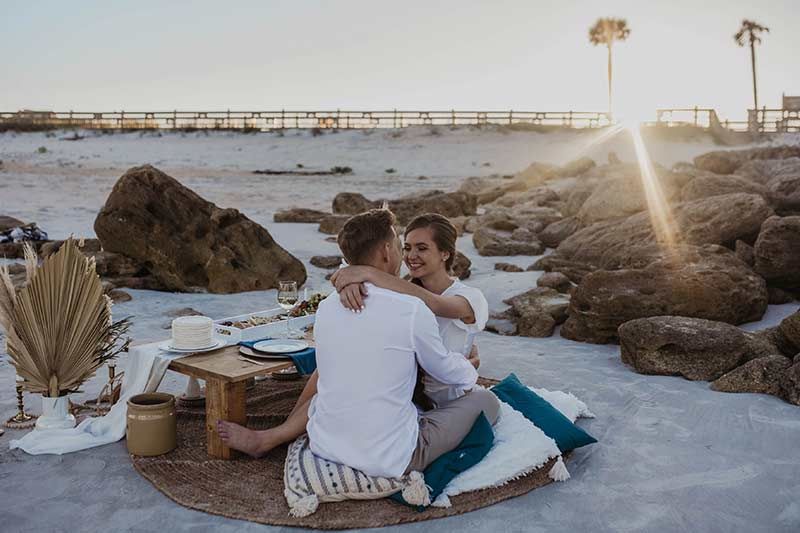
[(58, 326)]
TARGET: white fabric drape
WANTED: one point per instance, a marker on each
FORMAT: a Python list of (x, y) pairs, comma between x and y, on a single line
[(146, 368)]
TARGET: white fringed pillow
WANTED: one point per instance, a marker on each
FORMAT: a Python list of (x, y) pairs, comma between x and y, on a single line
[(309, 480)]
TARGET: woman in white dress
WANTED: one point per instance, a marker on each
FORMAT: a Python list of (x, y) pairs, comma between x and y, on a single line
[(429, 251)]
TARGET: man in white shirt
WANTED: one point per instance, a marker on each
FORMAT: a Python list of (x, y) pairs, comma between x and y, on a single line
[(357, 408)]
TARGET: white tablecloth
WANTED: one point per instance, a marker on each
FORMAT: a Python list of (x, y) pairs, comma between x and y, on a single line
[(146, 367)]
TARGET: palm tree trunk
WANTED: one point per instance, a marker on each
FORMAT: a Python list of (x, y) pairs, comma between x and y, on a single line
[(753, 64), (609, 80)]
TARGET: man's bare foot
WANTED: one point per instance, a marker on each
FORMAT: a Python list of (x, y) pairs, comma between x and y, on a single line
[(249, 441)]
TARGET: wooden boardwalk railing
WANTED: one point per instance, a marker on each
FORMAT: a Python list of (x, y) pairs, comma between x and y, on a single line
[(270, 120), (763, 120)]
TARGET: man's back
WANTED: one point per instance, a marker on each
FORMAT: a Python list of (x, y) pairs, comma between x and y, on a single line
[(362, 415)]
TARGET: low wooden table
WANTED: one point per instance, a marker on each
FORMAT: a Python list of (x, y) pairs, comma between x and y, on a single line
[(226, 378)]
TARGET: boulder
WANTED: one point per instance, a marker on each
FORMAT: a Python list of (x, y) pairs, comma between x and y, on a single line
[(87, 246), (576, 167), (333, 224), (779, 296), (555, 233), (707, 282), (577, 195), (790, 383), (622, 197), (462, 266), (745, 252), (763, 375), (326, 261), (777, 251), (186, 242), (789, 329), (539, 196), (555, 280), (537, 312), (764, 170), (785, 193), (631, 242), (729, 161), (694, 348), (493, 242), (490, 188), (508, 267), (717, 185), (118, 296), (449, 204), (300, 215), (530, 217), (7, 223)]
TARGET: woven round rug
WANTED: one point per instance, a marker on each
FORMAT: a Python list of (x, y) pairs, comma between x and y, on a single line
[(252, 489)]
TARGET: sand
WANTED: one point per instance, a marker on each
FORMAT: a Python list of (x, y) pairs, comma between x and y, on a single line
[(673, 455)]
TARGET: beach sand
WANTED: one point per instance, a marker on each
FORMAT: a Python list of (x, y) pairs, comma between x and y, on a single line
[(672, 454)]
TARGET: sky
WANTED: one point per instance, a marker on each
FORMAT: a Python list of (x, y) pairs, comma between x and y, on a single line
[(531, 55)]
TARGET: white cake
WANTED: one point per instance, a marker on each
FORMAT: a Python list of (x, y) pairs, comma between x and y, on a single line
[(192, 332)]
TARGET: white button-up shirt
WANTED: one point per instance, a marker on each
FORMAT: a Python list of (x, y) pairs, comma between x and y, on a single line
[(362, 415)]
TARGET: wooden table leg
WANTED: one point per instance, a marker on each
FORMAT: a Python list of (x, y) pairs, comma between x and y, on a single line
[(224, 401)]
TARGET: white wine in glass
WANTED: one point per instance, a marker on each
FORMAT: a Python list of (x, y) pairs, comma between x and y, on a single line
[(287, 298)]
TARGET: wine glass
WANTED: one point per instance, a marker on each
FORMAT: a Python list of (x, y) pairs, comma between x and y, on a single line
[(287, 298)]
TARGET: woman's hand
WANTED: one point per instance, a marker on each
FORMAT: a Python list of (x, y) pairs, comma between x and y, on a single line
[(352, 297), (350, 275), (474, 358)]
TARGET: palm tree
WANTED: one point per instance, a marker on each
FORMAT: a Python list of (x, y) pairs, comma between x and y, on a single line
[(748, 34), (606, 31)]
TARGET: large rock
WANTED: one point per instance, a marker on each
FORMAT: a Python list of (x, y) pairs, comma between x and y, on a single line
[(493, 242), (326, 261), (777, 251), (537, 312), (690, 347), (300, 215), (765, 170), (785, 193), (577, 195), (7, 223), (729, 161), (555, 280), (631, 242), (462, 266), (449, 204), (624, 196), (790, 383), (763, 375), (333, 224), (555, 233), (703, 282), (716, 185), (186, 242), (540, 196), (490, 188)]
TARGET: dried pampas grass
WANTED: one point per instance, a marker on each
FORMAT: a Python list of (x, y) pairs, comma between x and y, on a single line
[(58, 326)]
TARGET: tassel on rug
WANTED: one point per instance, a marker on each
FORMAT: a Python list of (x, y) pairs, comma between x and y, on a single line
[(559, 471)]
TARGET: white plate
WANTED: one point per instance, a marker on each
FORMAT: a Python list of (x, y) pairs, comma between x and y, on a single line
[(218, 343), (280, 346), (249, 352)]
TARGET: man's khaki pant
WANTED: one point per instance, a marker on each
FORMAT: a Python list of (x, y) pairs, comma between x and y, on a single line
[(442, 429)]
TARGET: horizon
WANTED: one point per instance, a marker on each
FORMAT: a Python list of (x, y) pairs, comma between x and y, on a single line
[(464, 55)]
